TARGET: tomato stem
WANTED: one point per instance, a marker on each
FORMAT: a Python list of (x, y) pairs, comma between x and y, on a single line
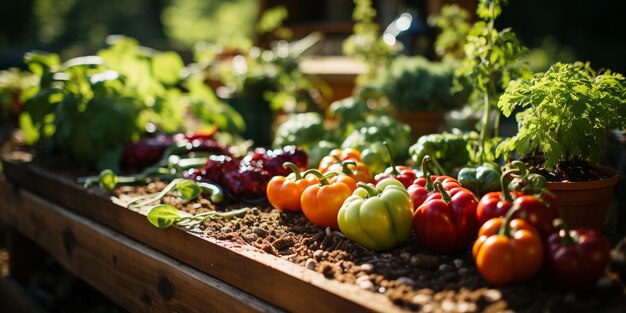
[(504, 187)]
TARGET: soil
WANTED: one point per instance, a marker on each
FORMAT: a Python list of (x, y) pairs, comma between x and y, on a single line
[(574, 170), (412, 277)]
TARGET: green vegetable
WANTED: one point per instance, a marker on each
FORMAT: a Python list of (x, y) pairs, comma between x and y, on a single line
[(567, 112), (90, 106), (480, 179), (164, 216), (417, 84), (378, 218), (448, 151), (301, 129), (187, 190), (374, 131)]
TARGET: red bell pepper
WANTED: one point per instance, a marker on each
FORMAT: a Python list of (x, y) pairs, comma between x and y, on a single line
[(424, 186), (578, 257), (535, 210), (401, 173), (447, 224), (496, 203)]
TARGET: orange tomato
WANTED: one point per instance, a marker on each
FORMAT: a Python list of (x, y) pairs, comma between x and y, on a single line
[(513, 256)]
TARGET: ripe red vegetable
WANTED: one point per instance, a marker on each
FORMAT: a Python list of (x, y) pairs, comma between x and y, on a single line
[(423, 187), (446, 222), (577, 257), (403, 174)]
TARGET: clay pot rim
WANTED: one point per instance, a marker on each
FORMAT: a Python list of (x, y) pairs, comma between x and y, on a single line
[(594, 184)]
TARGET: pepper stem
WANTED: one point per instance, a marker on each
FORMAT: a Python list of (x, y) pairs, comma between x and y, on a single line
[(445, 196), (506, 193), (323, 178), (429, 181), (346, 169), (504, 229), (371, 190), (394, 171), (294, 168), (520, 166)]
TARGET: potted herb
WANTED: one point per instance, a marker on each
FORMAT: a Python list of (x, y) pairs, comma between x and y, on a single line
[(420, 92), (565, 116)]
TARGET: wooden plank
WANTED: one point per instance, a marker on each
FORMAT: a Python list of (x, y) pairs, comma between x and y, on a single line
[(134, 275), (270, 278)]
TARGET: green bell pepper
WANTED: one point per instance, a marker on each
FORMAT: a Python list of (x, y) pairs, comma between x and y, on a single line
[(480, 179), (378, 218)]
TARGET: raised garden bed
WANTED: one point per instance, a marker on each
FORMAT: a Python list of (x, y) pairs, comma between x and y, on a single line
[(283, 259)]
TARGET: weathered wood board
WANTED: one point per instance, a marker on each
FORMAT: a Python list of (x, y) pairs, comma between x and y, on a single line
[(271, 279)]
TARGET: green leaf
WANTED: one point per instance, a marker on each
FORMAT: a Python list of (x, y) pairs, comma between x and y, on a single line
[(108, 179), (163, 216), (166, 67), (188, 189)]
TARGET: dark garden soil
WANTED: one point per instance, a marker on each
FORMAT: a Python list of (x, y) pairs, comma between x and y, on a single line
[(574, 171), (412, 277)]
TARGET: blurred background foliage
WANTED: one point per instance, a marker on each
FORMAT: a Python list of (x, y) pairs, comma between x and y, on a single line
[(558, 30)]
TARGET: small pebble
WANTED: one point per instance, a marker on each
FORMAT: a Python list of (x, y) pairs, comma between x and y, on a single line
[(458, 263), (382, 290), (226, 229), (463, 307), (310, 264), (405, 281), (364, 283), (405, 256), (367, 268), (328, 231), (420, 299), (448, 305), (604, 282), (427, 308), (318, 255), (569, 297), (444, 267), (493, 295), (463, 271)]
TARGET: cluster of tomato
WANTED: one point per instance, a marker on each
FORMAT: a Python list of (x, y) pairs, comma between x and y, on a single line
[(516, 228)]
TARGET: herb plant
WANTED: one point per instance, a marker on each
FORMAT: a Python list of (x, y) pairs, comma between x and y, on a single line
[(453, 21), (366, 43), (566, 112), (491, 60)]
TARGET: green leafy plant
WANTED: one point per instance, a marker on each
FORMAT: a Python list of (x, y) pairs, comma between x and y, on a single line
[(453, 21), (492, 59), (164, 216), (417, 84), (366, 43), (566, 112), (13, 82)]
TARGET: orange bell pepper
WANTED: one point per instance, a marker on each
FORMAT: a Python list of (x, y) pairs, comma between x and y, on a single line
[(284, 193), (321, 202), (355, 169), (508, 250), (342, 155)]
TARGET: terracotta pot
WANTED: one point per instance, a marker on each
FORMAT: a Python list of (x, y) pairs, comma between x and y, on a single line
[(585, 204), (421, 122)]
